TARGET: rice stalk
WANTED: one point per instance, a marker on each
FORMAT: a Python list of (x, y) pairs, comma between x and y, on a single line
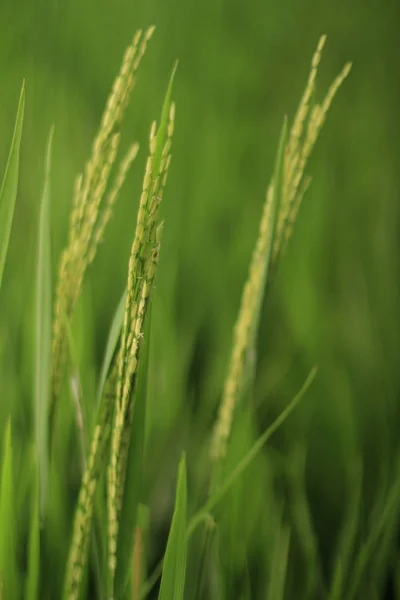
[(92, 207), (141, 273), (88, 220), (303, 134)]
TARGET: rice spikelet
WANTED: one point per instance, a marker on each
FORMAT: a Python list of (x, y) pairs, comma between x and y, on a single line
[(141, 273), (303, 134), (89, 214)]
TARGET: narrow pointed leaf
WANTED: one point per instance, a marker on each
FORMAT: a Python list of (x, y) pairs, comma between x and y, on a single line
[(226, 485), (276, 586), (32, 581), (112, 343), (174, 568), (43, 336), (277, 183), (162, 130), (8, 558), (8, 190)]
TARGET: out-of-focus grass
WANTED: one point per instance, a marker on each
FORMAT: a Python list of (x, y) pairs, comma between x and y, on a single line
[(336, 300)]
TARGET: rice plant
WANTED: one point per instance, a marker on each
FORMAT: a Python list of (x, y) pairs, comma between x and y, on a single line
[(110, 523)]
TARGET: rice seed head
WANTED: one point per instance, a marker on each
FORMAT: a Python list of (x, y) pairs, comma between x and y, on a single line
[(303, 135), (242, 336), (304, 132), (90, 213), (141, 274)]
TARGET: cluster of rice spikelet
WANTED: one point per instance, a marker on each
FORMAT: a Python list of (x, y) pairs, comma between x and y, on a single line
[(89, 217), (142, 269), (304, 132), (301, 139), (92, 206), (81, 533)]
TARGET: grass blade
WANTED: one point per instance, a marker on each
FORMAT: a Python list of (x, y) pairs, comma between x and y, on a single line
[(220, 492), (32, 582), (276, 586), (265, 259), (112, 344), (8, 190), (243, 357), (43, 336), (174, 569), (369, 549), (344, 554), (203, 514), (302, 523), (8, 559), (163, 128)]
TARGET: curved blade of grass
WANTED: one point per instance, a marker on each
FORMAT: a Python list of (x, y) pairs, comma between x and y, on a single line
[(203, 557), (139, 550), (386, 543), (277, 183), (8, 558), (276, 585), (162, 130), (240, 376), (203, 514), (365, 553), (8, 190), (348, 534), (43, 336), (220, 492), (81, 409), (32, 581), (112, 344), (134, 469), (174, 569), (302, 519)]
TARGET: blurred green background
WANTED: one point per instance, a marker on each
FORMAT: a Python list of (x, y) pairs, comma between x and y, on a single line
[(335, 302)]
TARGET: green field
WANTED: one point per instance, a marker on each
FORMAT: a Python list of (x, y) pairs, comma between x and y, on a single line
[(314, 515)]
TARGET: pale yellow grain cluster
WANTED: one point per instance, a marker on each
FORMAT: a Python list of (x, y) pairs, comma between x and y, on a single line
[(304, 133), (82, 523), (93, 202), (242, 335), (302, 137), (81, 532), (142, 268)]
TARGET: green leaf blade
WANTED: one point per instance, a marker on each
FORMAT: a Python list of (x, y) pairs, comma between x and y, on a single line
[(9, 186), (174, 568), (32, 582), (220, 492), (8, 559), (112, 344), (43, 335)]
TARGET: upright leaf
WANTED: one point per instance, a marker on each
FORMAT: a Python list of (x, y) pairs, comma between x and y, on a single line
[(174, 569), (8, 190), (220, 492), (32, 581), (112, 344), (43, 335), (276, 586), (8, 559), (242, 362)]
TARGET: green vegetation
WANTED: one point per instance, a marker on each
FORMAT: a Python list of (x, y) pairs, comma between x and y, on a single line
[(138, 459)]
